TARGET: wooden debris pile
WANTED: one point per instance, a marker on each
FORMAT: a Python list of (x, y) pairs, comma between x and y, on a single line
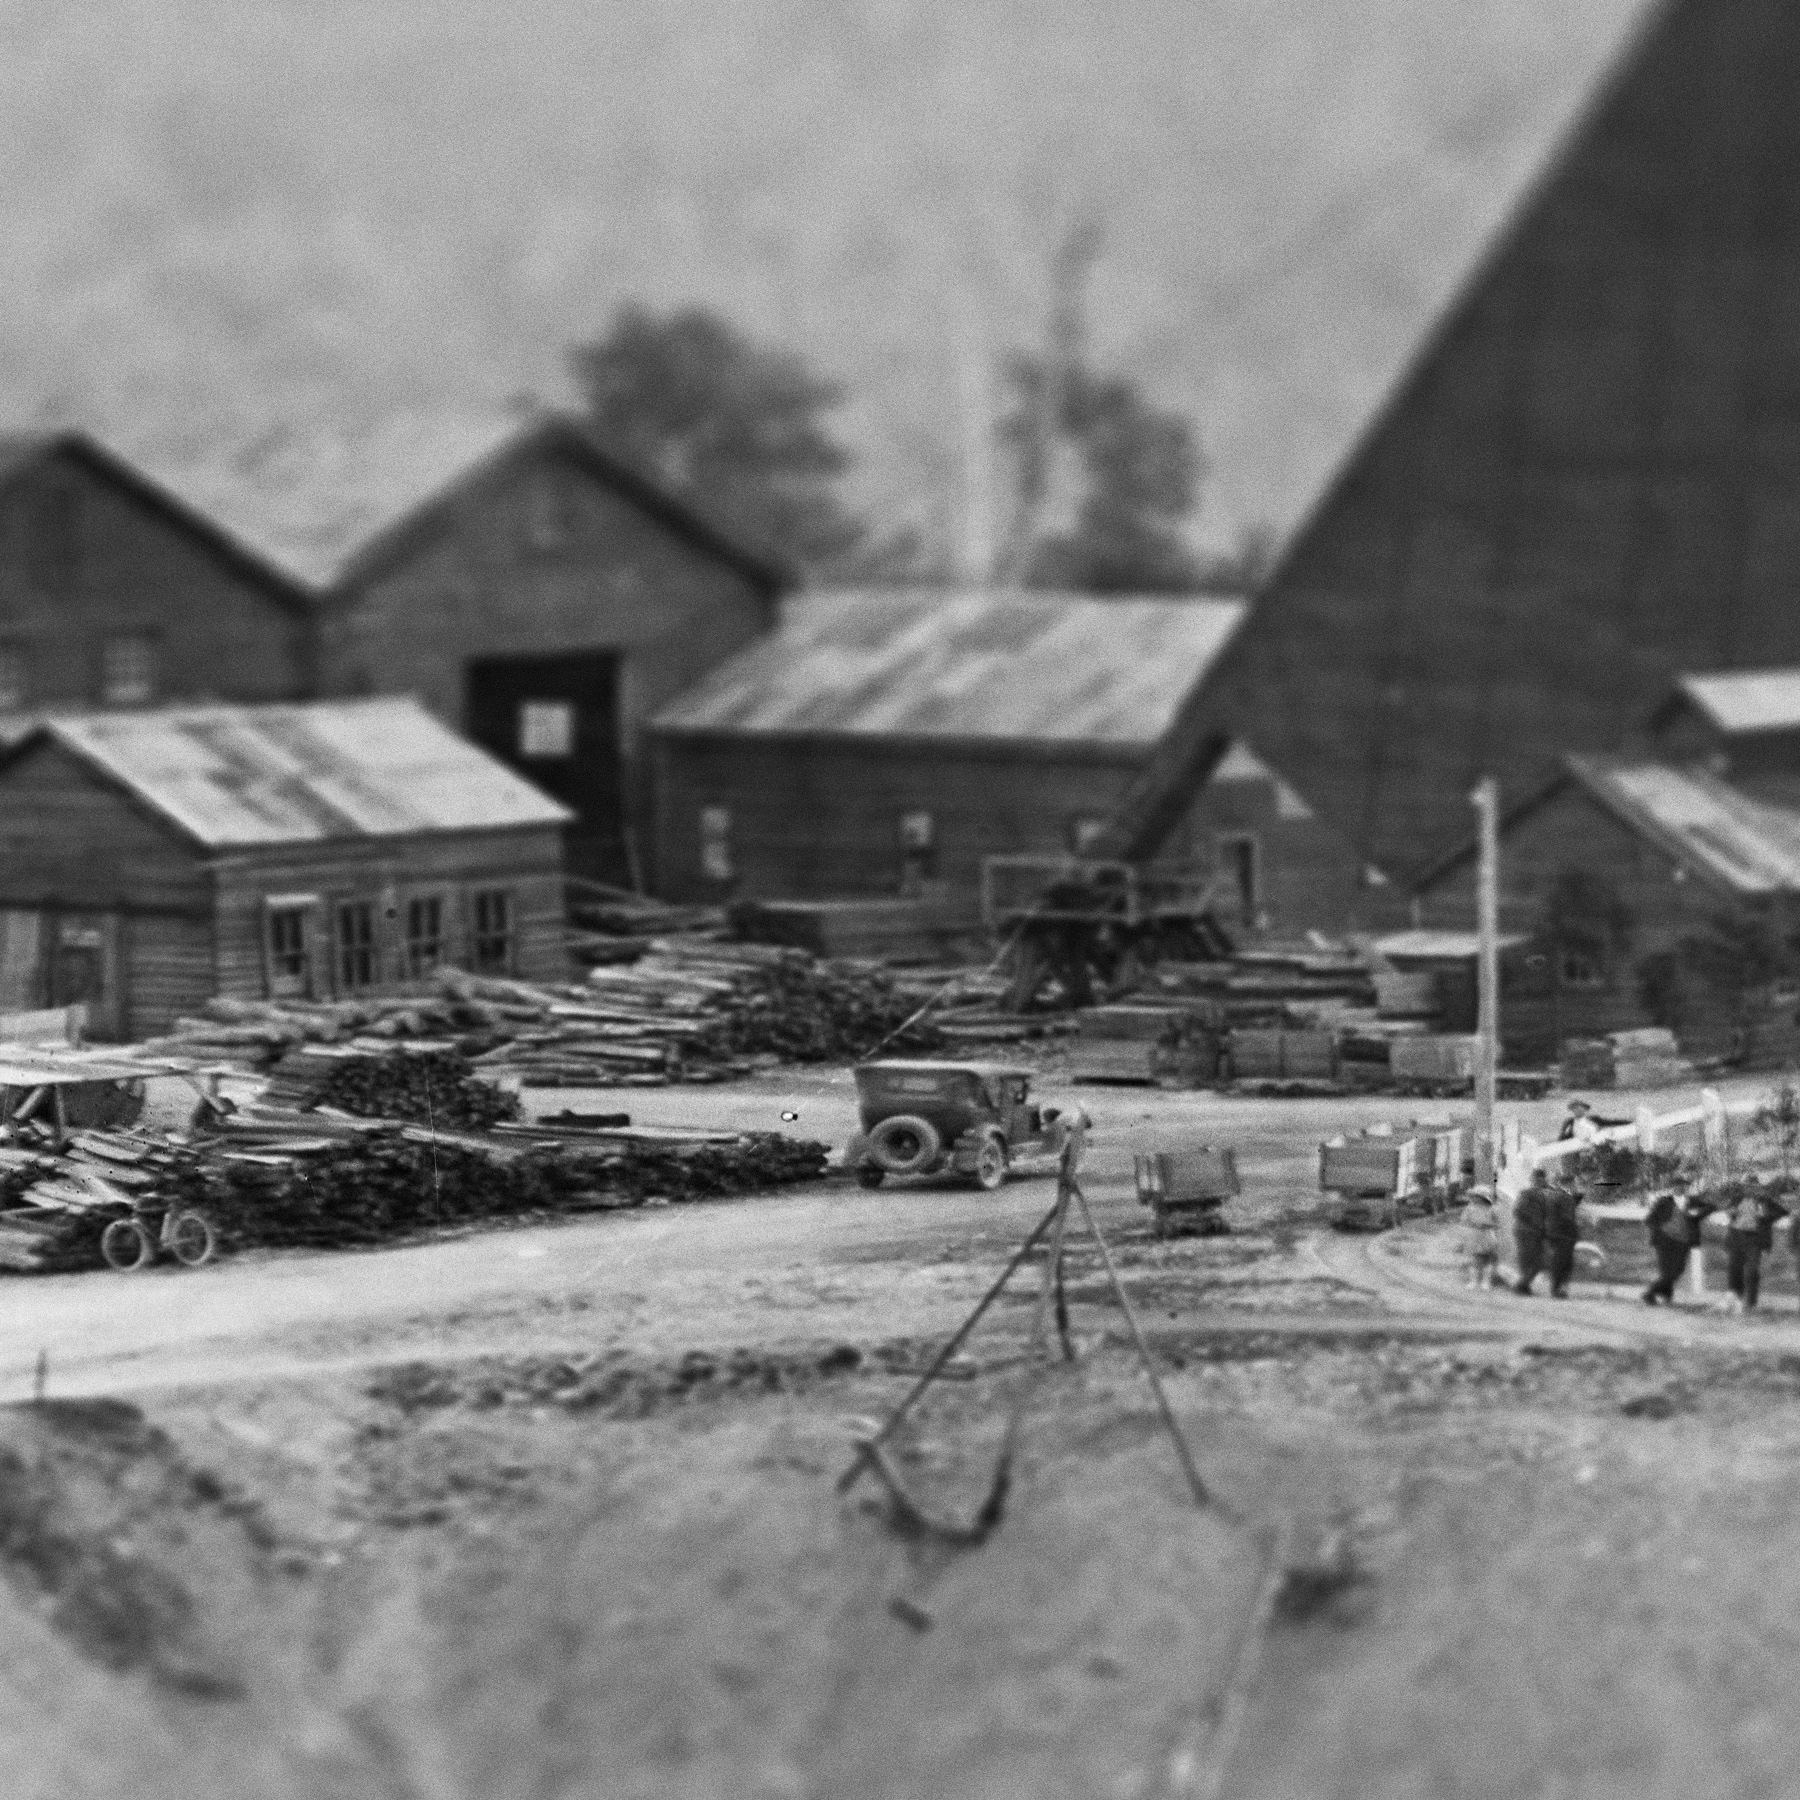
[(276, 1177), (685, 1009)]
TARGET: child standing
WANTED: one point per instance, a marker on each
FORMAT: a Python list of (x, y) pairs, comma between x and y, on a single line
[(1481, 1239)]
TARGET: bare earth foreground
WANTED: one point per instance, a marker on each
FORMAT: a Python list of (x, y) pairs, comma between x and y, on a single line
[(551, 1511)]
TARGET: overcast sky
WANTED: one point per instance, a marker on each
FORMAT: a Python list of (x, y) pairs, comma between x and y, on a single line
[(302, 255)]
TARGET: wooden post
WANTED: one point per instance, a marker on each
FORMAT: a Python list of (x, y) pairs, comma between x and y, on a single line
[(1487, 925)]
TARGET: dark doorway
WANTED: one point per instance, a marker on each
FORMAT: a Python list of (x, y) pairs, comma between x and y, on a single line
[(556, 720)]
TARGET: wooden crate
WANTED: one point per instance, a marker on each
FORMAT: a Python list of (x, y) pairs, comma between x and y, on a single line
[(1116, 1059)]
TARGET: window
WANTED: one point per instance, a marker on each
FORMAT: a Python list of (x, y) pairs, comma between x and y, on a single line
[(918, 851), (15, 677), (1237, 861), (424, 935), (1581, 969), (289, 954), (128, 669), (546, 728), (491, 930), (1084, 834), (715, 843), (358, 966)]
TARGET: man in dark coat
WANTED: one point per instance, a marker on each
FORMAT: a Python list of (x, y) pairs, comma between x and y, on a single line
[(1562, 1229), (1750, 1231), (1530, 1214), (1674, 1226)]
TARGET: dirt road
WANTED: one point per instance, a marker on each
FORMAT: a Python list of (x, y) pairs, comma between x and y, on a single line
[(551, 1511)]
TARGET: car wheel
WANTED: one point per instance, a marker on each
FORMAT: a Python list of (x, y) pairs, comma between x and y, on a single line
[(905, 1144), (867, 1175), (990, 1164)]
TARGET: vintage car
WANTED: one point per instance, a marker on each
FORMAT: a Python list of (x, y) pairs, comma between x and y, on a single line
[(976, 1118)]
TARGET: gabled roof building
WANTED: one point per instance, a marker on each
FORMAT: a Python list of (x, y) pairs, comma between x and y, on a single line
[(151, 859)]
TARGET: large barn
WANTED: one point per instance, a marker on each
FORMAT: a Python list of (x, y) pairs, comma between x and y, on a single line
[(1587, 483), (546, 603), (891, 741)]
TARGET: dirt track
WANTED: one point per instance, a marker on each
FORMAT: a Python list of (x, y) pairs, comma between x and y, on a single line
[(550, 1511)]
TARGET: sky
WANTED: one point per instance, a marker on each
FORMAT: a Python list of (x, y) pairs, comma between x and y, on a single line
[(305, 258)]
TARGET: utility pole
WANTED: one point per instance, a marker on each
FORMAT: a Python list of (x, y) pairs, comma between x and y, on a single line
[(1487, 1019)]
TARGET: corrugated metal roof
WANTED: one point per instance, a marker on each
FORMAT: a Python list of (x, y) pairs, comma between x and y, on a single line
[(1438, 946), (1749, 845), (904, 662), (244, 775), (1748, 699)]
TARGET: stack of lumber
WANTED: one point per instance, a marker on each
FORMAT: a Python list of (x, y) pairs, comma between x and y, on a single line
[(686, 1009), (1648, 1058), (274, 1176), (1171, 1042), (901, 929)]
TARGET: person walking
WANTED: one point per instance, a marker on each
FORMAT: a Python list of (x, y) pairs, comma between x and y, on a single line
[(1750, 1230), (1530, 1213), (1562, 1231), (1481, 1239), (1673, 1223)]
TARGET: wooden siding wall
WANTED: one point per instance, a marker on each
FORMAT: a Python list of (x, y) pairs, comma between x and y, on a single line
[(619, 580), (1572, 831), (68, 838), (389, 872), (219, 632), (168, 968), (821, 819)]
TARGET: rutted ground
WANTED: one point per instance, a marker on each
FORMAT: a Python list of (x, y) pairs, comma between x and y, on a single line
[(553, 1512)]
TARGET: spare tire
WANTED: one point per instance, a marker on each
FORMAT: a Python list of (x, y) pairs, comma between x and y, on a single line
[(905, 1144)]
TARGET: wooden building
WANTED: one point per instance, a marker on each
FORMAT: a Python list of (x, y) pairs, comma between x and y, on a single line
[(1587, 482), (890, 741), (113, 592), (151, 859), (1743, 725), (546, 604), (1607, 870)]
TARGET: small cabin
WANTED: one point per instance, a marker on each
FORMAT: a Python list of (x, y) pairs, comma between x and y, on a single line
[(151, 860)]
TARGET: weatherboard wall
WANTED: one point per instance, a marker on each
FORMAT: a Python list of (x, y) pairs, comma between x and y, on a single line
[(85, 557), (821, 818)]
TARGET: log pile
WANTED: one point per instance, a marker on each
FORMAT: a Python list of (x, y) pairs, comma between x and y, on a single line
[(275, 1177), (683, 1010)]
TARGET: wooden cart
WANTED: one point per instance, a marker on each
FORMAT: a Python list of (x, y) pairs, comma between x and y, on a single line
[(1186, 1190)]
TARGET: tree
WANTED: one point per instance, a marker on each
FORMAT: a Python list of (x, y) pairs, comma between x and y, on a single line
[(734, 427), (1136, 475)]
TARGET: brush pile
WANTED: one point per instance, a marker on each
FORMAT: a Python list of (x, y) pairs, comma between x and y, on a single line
[(425, 1086), (684, 1010)]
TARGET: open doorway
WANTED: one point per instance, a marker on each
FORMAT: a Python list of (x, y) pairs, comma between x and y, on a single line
[(556, 720)]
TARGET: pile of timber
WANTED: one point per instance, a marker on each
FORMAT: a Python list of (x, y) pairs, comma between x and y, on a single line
[(685, 1009), (276, 1177), (1646, 1058)]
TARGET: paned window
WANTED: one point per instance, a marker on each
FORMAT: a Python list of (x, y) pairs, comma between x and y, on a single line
[(128, 669), (918, 850), (1084, 834), (546, 728), (491, 930), (715, 843), (424, 935), (358, 964), (1238, 863), (290, 954)]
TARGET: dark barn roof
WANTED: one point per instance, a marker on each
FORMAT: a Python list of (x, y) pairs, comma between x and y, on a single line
[(24, 452), (556, 435), (1587, 483)]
